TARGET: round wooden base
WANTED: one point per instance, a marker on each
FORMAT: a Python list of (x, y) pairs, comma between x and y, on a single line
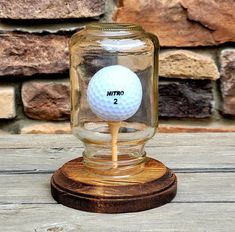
[(75, 186)]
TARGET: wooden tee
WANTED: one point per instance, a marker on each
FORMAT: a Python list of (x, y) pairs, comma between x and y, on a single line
[(114, 129)]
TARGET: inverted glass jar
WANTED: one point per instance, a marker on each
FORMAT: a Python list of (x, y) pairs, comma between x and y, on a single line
[(104, 45)]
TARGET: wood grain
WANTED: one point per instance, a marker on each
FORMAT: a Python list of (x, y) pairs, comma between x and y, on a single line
[(180, 217), (181, 158), (192, 187), (75, 186), (204, 163)]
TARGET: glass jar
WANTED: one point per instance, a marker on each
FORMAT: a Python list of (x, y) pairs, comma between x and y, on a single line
[(114, 145)]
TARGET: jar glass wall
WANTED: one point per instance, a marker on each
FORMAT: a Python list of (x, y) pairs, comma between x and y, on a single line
[(107, 45)]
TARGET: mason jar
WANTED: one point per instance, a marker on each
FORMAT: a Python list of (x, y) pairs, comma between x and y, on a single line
[(114, 145)]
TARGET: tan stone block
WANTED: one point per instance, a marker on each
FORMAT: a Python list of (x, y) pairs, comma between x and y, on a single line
[(185, 64), (46, 128), (7, 102), (2, 132)]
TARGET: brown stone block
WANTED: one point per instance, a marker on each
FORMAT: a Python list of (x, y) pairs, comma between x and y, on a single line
[(27, 54), (227, 59), (185, 99), (182, 22), (50, 9), (46, 100)]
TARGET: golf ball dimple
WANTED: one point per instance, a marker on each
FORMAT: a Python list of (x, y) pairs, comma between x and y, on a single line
[(114, 93)]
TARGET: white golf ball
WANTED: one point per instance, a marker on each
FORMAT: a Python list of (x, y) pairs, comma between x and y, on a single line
[(114, 93)]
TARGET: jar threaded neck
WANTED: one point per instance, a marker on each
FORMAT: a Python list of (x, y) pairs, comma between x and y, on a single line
[(114, 27)]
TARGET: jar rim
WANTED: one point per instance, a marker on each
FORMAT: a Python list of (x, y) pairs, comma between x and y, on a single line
[(114, 27)]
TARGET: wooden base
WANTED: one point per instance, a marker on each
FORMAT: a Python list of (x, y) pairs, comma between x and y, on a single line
[(75, 186)]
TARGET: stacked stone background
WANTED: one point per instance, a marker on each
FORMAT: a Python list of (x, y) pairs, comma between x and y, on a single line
[(197, 60)]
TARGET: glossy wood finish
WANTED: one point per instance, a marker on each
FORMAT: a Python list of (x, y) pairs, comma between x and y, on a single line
[(77, 187)]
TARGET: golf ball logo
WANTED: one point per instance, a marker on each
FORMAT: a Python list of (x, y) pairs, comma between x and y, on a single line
[(114, 93)]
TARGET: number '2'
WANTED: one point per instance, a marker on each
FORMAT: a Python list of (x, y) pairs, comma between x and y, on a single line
[(115, 101)]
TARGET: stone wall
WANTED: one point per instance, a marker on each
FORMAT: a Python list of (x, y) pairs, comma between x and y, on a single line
[(197, 60)]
